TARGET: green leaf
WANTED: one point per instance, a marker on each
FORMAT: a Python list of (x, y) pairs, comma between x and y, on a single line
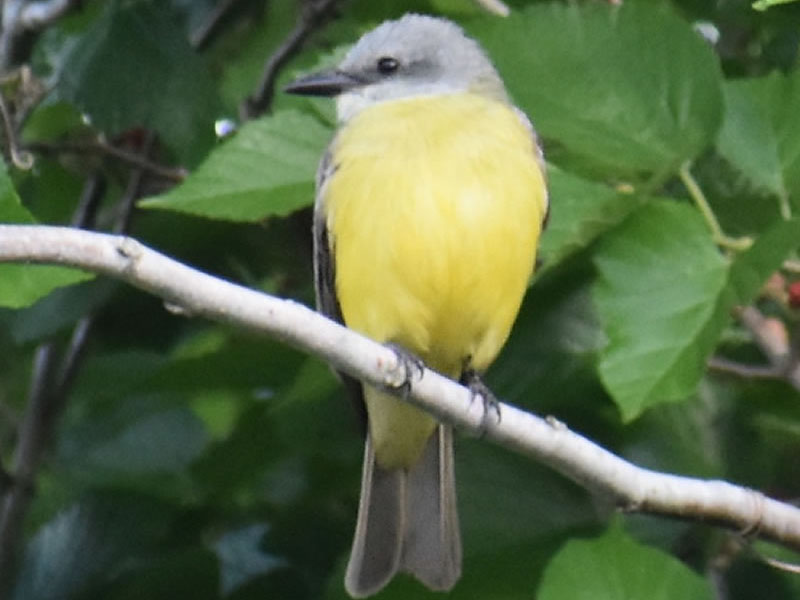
[(133, 68), (242, 558), (144, 443), (624, 89), (111, 529), (751, 268), (51, 120), (180, 573), (678, 438), (502, 505), (615, 567), (11, 209), (765, 4), (22, 285), (165, 441), (580, 212), (660, 277), (760, 134), (267, 169), (60, 309)]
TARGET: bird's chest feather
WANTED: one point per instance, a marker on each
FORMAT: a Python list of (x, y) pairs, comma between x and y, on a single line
[(434, 212)]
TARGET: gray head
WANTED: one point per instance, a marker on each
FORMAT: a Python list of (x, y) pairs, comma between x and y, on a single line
[(412, 56)]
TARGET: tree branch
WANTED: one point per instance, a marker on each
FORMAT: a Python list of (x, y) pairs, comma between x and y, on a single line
[(36, 428), (46, 400), (51, 384), (724, 365), (22, 159), (312, 15), (547, 440), (772, 338), (133, 159)]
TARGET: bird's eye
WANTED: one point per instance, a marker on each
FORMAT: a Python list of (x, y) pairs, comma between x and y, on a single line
[(387, 65)]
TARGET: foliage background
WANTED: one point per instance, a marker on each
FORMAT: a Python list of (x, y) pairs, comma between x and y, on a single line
[(192, 460)]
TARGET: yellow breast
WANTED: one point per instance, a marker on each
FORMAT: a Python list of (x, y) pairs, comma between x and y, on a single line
[(434, 213)]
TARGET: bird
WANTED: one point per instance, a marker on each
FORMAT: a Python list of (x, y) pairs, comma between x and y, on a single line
[(430, 201)]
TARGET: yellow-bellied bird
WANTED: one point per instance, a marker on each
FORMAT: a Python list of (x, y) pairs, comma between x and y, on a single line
[(430, 201)]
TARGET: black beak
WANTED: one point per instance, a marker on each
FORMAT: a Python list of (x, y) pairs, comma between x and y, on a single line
[(328, 83)]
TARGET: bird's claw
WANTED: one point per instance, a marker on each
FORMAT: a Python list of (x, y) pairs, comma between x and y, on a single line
[(478, 388), (411, 366)]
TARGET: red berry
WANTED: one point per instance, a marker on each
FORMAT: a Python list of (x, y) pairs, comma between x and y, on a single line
[(794, 294)]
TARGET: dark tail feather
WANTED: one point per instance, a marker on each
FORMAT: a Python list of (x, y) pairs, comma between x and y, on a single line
[(377, 544), (432, 544), (407, 521)]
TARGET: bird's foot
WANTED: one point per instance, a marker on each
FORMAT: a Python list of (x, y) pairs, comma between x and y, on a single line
[(411, 366), (478, 388)]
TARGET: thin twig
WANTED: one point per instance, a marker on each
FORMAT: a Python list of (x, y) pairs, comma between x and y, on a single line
[(546, 440), (699, 198), (313, 15), (133, 190), (51, 384), (100, 147), (19, 157), (33, 436), (720, 563), (71, 361), (773, 342), (206, 31), (85, 212), (47, 398), (724, 365)]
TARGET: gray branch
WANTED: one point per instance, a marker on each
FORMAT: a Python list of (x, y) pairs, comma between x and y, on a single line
[(546, 440)]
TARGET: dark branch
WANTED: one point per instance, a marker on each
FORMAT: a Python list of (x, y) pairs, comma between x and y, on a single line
[(50, 387), (313, 15), (100, 147), (93, 191), (771, 336), (724, 365), (19, 157), (133, 191), (33, 436)]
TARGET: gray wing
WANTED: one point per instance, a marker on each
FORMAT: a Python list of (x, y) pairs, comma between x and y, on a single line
[(325, 275), (539, 156), (324, 267)]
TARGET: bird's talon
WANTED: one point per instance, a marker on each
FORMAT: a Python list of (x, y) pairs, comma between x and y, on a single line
[(411, 367), (490, 403)]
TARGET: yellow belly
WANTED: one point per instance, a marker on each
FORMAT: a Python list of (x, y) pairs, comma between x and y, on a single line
[(434, 214)]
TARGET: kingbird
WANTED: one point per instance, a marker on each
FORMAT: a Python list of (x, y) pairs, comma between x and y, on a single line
[(429, 205)]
